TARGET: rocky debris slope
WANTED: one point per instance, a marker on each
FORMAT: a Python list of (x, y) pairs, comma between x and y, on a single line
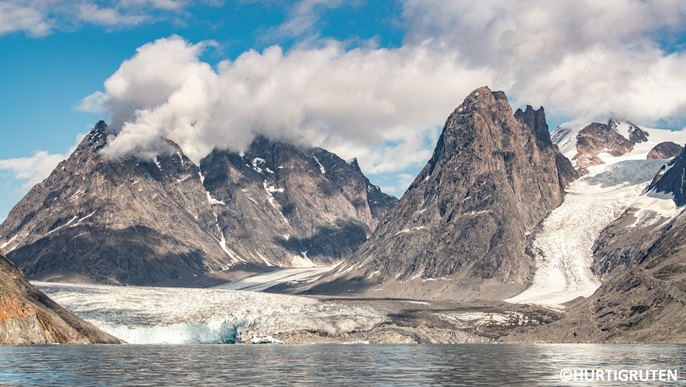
[(167, 221), (28, 316), (461, 229)]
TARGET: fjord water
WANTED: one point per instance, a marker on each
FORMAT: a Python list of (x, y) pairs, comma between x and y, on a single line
[(467, 365)]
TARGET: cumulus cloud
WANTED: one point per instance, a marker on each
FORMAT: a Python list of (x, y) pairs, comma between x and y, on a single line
[(379, 102), (580, 59), (584, 59), (34, 169), (42, 17)]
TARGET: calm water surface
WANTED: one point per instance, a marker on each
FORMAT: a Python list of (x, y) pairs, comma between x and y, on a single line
[(467, 365)]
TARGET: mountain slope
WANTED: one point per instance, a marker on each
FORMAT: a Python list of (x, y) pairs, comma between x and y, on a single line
[(287, 206), (461, 229), (28, 316), (166, 221), (640, 258)]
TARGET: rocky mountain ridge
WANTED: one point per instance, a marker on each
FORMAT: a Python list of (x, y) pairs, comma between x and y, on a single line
[(168, 221), (461, 229)]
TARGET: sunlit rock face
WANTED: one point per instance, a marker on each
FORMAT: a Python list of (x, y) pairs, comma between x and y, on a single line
[(461, 229)]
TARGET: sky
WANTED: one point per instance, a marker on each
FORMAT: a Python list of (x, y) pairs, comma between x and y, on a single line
[(372, 79)]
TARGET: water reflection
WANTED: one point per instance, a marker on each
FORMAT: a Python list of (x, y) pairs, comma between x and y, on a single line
[(461, 365)]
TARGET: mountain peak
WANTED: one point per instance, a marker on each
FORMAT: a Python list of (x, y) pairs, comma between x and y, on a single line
[(463, 222)]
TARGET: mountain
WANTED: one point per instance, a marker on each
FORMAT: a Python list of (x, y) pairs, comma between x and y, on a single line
[(28, 316), (285, 206), (167, 221), (461, 229), (639, 256), (590, 144)]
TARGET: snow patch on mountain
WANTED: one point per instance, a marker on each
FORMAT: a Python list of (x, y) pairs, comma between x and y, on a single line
[(565, 137)]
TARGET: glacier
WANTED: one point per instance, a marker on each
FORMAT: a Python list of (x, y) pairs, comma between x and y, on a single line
[(149, 315), (563, 245)]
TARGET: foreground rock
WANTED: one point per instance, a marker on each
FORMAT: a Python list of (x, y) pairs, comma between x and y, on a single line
[(28, 316), (167, 221), (461, 229)]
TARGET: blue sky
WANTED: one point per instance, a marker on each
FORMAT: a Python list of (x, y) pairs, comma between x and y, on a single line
[(372, 79)]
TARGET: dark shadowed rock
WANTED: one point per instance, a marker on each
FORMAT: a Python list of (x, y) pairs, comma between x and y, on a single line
[(670, 179), (461, 229), (284, 205), (28, 316), (665, 150)]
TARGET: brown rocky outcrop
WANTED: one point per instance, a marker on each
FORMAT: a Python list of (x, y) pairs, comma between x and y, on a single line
[(28, 316)]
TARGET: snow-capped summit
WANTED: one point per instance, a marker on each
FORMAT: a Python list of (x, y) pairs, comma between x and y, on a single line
[(588, 144)]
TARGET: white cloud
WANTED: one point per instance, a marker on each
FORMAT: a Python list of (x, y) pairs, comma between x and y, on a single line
[(94, 103), (34, 169), (582, 59), (42, 17), (304, 16), (94, 14), (379, 105), (19, 16)]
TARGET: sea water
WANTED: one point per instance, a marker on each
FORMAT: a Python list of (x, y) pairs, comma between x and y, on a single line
[(466, 365)]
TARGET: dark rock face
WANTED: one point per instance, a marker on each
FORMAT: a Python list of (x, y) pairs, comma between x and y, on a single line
[(670, 179), (597, 138), (464, 221), (282, 205), (28, 316), (665, 150), (166, 221)]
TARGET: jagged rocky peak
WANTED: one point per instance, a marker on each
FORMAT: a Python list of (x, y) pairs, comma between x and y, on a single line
[(587, 144), (125, 221), (28, 316), (292, 205), (460, 230), (597, 138), (167, 221)]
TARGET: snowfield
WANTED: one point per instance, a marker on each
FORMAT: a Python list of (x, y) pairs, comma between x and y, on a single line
[(564, 244)]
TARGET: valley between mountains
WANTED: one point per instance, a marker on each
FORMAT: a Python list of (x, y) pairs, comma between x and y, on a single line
[(510, 233)]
